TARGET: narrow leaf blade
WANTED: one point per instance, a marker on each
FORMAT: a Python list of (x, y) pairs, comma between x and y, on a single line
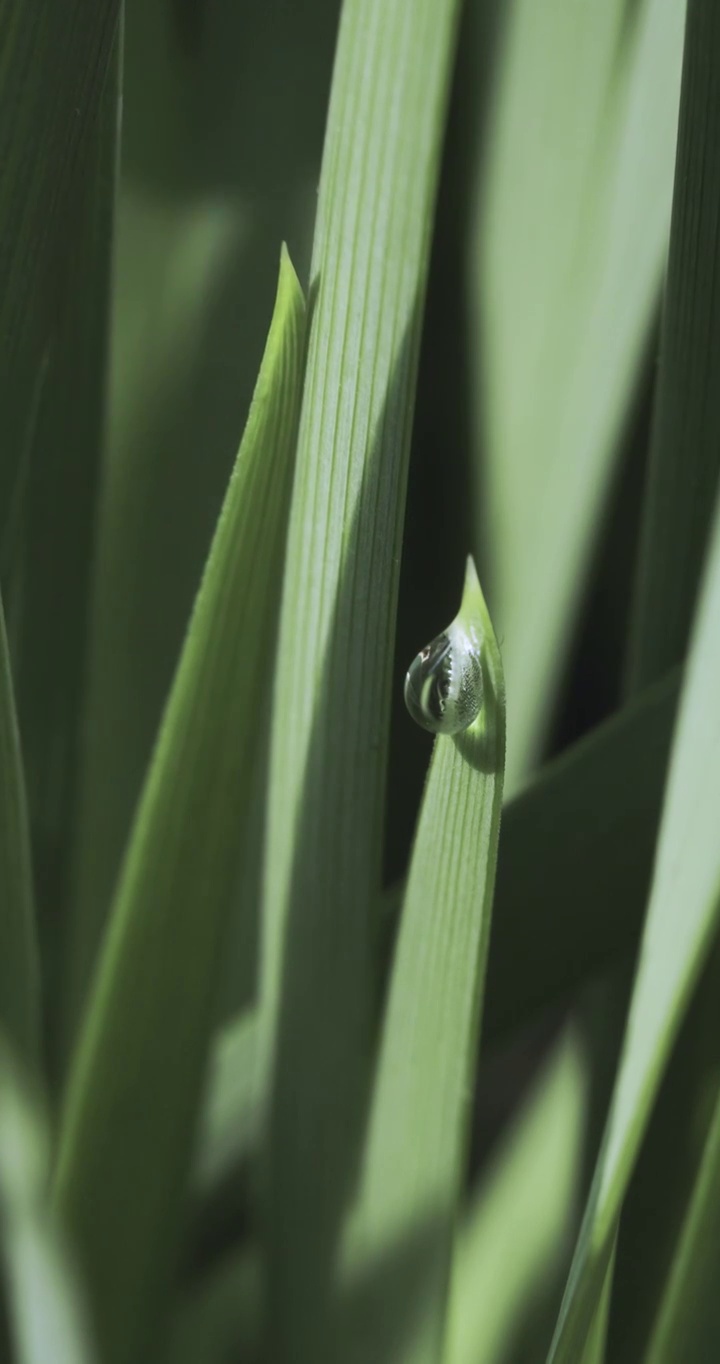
[(415, 1148), (330, 718), (136, 1079)]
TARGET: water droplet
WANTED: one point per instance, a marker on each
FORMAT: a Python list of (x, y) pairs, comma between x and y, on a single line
[(444, 683)]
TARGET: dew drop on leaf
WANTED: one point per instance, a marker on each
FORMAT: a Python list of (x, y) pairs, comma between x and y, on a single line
[(444, 683)]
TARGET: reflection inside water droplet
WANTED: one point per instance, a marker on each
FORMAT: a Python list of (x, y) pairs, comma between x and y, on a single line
[(444, 683)]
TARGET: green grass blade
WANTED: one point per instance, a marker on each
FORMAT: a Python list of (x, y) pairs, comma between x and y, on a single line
[(416, 1144), (582, 147), (220, 161), (46, 1314), (137, 1075), (681, 919), (685, 450), (19, 971), (53, 62), (331, 705), (514, 1235), (688, 1318)]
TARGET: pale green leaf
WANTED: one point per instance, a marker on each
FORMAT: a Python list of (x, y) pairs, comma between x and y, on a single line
[(331, 704), (137, 1074), (572, 220)]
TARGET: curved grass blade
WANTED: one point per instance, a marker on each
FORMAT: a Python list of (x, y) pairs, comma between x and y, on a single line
[(416, 1143), (582, 145), (47, 1316), (136, 1079), (53, 62), (681, 920), (514, 1236), (19, 970), (331, 704)]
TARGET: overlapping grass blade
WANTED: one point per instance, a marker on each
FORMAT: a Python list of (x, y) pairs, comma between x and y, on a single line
[(330, 719), (220, 160), (582, 147), (53, 62), (514, 1235), (590, 818), (688, 1319), (136, 1080), (682, 918), (685, 449), (417, 1131), (596, 1343), (46, 1314), (19, 970)]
